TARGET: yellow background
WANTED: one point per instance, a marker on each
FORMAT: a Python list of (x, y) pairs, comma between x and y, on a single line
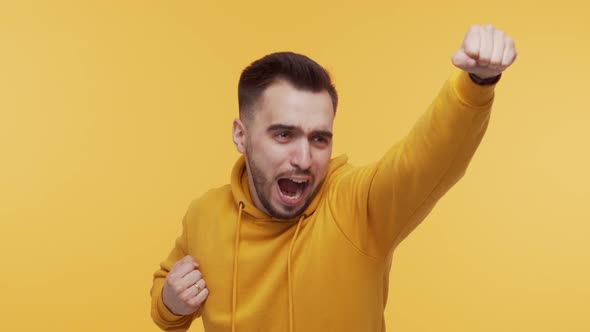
[(115, 114)]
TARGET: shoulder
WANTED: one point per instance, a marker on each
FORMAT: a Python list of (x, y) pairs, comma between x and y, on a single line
[(211, 201)]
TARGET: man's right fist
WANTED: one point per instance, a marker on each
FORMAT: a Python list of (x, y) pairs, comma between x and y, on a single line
[(486, 52), (184, 290)]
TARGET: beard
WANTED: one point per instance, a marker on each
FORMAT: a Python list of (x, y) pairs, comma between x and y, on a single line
[(264, 188)]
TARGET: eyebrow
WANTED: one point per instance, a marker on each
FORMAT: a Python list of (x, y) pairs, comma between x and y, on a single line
[(276, 127)]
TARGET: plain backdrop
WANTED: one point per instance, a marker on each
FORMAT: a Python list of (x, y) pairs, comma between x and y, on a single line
[(114, 115)]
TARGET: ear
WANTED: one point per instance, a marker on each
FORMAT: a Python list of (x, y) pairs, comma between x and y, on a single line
[(239, 135)]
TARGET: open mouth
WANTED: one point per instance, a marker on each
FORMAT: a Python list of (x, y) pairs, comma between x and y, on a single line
[(291, 190)]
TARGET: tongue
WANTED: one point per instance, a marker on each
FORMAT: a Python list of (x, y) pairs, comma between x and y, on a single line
[(289, 187)]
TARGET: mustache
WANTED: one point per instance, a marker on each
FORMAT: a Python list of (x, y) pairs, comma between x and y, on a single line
[(296, 172)]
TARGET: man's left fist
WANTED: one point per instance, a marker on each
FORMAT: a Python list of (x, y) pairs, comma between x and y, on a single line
[(485, 52)]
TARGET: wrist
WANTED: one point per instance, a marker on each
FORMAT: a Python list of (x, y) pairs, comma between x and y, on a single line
[(472, 94), (167, 311), (485, 81)]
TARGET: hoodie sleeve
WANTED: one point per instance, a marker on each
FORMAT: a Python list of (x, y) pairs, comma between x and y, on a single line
[(378, 205), (163, 317)]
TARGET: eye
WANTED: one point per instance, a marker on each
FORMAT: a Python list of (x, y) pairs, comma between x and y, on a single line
[(320, 141), (282, 135)]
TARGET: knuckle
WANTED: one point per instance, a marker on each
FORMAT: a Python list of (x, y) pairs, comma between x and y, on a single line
[(194, 303), (169, 280), (190, 300), (177, 288)]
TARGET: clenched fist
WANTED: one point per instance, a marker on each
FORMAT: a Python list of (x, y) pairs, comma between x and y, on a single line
[(184, 290), (486, 52)]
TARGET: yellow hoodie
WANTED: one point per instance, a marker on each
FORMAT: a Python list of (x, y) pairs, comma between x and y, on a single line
[(327, 270)]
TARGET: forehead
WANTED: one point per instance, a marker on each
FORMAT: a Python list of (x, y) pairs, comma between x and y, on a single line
[(282, 103)]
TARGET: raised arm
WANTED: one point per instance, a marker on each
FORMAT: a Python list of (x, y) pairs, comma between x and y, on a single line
[(391, 197)]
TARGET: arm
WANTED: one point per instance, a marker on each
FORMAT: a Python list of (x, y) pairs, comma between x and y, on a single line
[(389, 198), (180, 270)]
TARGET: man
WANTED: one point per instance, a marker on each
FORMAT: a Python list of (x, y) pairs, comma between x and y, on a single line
[(302, 242)]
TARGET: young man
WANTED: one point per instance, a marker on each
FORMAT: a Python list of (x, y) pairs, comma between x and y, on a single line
[(302, 242)]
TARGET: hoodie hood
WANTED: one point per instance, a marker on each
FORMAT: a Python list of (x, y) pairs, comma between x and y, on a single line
[(241, 189)]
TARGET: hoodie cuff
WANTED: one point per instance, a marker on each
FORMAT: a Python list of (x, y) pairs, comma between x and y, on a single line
[(471, 93)]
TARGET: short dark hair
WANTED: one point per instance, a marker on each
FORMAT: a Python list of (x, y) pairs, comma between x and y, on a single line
[(299, 70)]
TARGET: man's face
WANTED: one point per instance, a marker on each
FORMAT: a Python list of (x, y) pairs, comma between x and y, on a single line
[(288, 145)]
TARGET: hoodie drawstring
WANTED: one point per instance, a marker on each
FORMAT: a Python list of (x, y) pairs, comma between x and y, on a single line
[(235, 279), (234, 283), (290, 280)]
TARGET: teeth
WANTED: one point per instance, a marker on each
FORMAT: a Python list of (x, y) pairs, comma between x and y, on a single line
[(298, 181)]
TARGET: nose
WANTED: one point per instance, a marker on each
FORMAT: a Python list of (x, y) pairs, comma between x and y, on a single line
[(301, 157)]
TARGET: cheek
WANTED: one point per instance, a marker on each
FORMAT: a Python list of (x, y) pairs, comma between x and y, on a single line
[(277, 154), (272, 157), (323, 160)]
